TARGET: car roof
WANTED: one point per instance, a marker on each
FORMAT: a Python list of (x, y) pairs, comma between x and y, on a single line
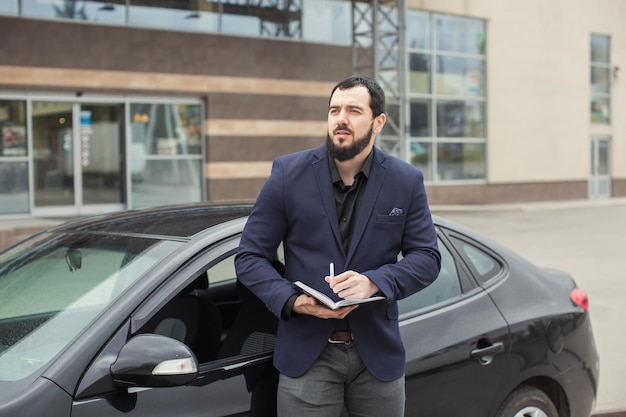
[(182, 221), (178, 221)]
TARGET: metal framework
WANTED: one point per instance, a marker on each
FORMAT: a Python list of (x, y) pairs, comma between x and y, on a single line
[(378, 28)]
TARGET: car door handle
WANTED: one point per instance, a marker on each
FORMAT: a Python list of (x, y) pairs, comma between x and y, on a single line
[(485, 354)]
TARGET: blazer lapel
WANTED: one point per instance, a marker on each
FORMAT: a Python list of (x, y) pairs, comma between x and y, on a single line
[(373, 187), (325, 186)]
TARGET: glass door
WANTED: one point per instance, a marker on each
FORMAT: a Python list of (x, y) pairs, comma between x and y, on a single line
[(101, 149), (77, 157), (600, 178)]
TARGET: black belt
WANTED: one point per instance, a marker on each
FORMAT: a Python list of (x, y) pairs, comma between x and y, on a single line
[(341, 336)]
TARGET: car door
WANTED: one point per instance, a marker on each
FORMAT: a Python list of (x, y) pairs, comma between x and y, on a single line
[(233, 376), (457, 344)]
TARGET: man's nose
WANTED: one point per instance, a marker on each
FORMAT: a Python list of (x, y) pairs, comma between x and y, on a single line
[(342, 117)]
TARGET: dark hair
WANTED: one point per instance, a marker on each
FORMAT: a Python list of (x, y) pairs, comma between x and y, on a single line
[(377, 95)]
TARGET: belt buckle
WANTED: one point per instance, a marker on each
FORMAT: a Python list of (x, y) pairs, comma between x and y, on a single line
[(341, 342)]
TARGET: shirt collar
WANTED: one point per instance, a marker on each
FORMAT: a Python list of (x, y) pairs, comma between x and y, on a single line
[(365, 169)]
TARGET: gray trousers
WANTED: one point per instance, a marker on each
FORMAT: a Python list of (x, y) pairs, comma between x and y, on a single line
[(338, 378)]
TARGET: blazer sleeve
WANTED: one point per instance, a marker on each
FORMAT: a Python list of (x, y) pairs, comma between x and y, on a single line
[(421, 260), (262, 234)]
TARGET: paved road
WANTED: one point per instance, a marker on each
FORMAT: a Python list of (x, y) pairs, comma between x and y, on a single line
[(587, 239)]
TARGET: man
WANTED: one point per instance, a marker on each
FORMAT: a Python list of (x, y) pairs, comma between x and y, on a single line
[(349, 204)]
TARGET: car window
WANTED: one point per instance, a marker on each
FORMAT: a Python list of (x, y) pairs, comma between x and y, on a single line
[(446, 286), (52, 287), (483, 265), (222, 271), (217, 317)]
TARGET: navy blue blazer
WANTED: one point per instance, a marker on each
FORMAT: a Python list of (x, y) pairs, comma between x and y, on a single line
[(296, 206)]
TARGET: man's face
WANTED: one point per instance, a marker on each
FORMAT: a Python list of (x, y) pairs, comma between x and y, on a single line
[(351, 125)]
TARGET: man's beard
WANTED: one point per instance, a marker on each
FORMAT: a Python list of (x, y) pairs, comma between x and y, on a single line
[(345, 153)]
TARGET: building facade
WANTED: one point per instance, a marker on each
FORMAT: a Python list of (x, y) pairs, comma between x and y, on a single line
[(134, 103)]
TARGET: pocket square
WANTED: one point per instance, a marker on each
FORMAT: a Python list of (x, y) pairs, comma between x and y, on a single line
[(396, 212)]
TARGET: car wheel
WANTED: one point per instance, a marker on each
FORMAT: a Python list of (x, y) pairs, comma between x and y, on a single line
[(527, 401)]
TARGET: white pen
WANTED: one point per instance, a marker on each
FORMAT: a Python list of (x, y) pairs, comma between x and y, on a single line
[(331, 271)]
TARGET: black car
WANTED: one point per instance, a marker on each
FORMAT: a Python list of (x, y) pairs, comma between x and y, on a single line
[(139, 313)]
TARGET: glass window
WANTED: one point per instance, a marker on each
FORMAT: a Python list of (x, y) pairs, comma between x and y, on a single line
[(327, 21), (52, 287), (461, 161), (420, 117), (419, 73), (13, 127), (418, 30), (446, 286), (600, 110), (163, 14), (13, 187), (320, 21), (9, 6), (460, 119), (460, 76), (483, 265), (392, 110), (600, 49), (447, 95), (95, 11), (459, 34), (165, 153), (600, 80), (13, 157), (282, 19), (421, 155)]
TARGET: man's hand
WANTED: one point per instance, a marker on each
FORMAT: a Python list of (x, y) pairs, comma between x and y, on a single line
[(309, 305), (351, 284)]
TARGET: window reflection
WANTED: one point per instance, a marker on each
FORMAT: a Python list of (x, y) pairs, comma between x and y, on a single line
[(199, 16), (418, 30), (461, 161), (322, 21), (460, 119), (13, 187), (165, 181), (95, 11), (420, 117), (327, 21), (166, 129), (600, 111), (419, 73), (600, 49), (422, 158), (13, 128), (165, 153), (460, 76), (9, 6), (460, 34), (13, 157), (447, 83)]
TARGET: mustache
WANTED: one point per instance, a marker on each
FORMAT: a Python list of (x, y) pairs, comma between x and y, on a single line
[(344, 128)]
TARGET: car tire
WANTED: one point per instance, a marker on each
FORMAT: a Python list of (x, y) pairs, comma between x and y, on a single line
[(527, 401)]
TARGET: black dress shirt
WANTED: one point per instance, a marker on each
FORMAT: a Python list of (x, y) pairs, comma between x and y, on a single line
[(347, 200)]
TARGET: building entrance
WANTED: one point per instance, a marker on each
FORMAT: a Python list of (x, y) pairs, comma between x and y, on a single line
[(600, 178), (78, 163)]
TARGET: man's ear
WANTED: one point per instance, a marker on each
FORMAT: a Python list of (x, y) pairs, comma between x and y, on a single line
[(379, 122)]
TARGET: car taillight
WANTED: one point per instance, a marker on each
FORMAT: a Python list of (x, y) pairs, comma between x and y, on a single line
[(580, 298)]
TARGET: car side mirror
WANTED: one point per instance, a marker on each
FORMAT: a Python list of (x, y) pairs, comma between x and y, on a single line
[(151, 360)]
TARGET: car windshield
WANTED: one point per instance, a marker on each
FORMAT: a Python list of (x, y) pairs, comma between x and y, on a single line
[(53, 286)]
